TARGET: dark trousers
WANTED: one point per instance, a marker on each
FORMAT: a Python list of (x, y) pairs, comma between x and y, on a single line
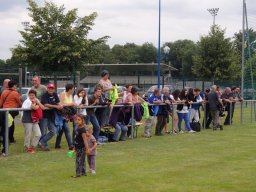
[(80, 162), (161, 122), (230, 108), (208, 117), (12, 127)]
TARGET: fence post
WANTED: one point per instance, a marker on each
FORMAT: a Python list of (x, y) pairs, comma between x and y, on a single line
[(251, 110), (241, 112), (20, 79), (6, 133)]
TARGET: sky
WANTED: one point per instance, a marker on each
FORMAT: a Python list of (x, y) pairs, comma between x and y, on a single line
[(135, 21)]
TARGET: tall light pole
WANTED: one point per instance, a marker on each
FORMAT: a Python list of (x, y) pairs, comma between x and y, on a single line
[(213, 12), (166, 52), (159, 48), (26, 25)]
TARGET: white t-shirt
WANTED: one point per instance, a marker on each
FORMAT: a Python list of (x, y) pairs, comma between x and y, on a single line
[(78, 101)]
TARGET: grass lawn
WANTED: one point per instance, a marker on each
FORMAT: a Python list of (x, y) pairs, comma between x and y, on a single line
[(209, 161)]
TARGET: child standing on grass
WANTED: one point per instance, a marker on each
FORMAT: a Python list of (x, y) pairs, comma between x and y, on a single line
[(91, 150), (80, 146), (30, 121)]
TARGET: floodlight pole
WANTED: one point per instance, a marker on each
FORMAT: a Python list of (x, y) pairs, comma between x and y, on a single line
[(159, 48), (213, 12), (26, 25)]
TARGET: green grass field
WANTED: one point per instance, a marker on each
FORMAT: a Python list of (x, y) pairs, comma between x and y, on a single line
[(209, 161)]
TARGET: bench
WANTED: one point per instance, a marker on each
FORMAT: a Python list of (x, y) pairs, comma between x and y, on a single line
[(108, 129), (136, 126)]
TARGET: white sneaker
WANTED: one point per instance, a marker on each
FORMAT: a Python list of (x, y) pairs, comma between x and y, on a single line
[(181, 131), (191, 131), (93, 172)]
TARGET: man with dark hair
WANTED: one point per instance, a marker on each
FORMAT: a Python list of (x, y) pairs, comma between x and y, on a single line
[(93, 100)]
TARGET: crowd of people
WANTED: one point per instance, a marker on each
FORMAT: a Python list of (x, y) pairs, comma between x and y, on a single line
[(48, 114)]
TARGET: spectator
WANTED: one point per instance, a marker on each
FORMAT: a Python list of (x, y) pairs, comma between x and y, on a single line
[(5, 85), (10, 98), (166, 98), (91, 151), (66, 100), (106, 83), (40, 90), (155, 98), (128, 90), (228, 98), (50, 100), (80, 146), (214, 105), (208, 116), (133, 97), (94, 101), (182, 111), (38, 87), (194, 110), (29, 124)]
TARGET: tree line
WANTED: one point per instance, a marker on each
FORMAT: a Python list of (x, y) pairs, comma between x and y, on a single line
[(57, 40)]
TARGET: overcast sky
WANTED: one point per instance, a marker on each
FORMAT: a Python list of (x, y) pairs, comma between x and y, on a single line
[(135, 20)]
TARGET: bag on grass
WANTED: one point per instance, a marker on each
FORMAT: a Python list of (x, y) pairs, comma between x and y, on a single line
[(195, 126)]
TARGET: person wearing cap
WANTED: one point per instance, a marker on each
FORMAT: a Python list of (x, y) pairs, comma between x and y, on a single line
[(51, 101)]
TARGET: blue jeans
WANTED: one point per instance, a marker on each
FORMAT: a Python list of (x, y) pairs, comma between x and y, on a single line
[(184, 116), (66, 130), (120, 127), (52, 131), (96, 127)]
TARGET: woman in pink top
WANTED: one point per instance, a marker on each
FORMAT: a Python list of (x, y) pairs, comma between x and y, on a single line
[(133, 97), (106, 83)]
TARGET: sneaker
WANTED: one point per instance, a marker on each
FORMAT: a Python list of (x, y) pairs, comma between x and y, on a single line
[(43, 148), (191, 131), (93, 172), (181, 131), (30, 150), (57, 147)]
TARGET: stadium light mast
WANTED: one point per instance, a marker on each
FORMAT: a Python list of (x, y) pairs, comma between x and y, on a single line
[(213, 12), (26, 25)]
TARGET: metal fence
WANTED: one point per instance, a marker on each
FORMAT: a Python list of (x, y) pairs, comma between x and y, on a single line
[(244, 113)]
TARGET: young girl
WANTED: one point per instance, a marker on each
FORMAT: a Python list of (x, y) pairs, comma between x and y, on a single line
[(91, 150), (80, 146), (29, 123)]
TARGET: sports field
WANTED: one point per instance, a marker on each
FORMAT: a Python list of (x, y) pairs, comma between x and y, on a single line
[(209, 161)]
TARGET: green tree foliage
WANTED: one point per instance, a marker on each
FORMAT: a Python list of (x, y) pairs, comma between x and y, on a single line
[(215, 58), (148, 53), (57, 40), (181, 57)]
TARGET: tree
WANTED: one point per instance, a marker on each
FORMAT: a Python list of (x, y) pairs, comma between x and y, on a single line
[(215, 58), (181, 56), (148, 53), (56, 41)]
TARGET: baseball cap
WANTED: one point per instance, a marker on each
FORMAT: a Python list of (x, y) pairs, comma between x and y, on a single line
[(50, 86)]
